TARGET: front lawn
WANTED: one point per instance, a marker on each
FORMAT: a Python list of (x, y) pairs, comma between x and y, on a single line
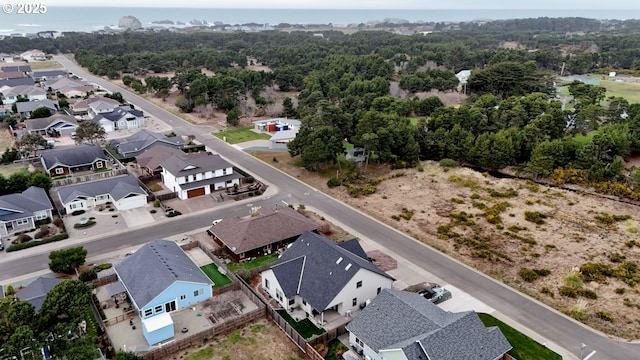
[(248, 265), (241, 135), (524, 347), (10, 169), (218, 279), (304, 327)]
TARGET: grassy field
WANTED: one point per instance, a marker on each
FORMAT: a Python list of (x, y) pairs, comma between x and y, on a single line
[(45, 65), (241, 135), (212, 272), (629, 91), (580, 140), (524, 347), (248, 265), (8, 170), (304, 327)]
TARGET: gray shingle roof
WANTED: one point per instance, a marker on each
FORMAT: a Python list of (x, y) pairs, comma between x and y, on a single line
[(84, 104), (25, 106), (24, 90), (118, 113), (321, 277), (244, 234), (36, 292), (155, 267), (201, 162), (49, 73), (78, 155), (403, 320), (119, 187), (143, 140), (21, 68), (22, 205), (17, 82), (44, 123), (156, 155)]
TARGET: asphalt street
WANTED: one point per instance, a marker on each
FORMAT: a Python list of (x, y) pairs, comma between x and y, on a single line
[(538, 317)]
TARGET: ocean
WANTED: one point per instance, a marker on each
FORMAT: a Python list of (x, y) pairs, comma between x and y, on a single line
[(89, 19)]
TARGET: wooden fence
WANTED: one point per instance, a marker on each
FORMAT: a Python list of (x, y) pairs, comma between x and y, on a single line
[(89, 177), (199, 338), (119, 318)]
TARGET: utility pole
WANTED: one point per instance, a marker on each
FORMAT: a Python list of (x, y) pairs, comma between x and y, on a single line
[(562, 73)]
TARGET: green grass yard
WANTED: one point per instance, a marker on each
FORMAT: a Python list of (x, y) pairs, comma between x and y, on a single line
[(218, 279), (304, 327), (248, 265), (524, 347), (10, 169), (237, 136)]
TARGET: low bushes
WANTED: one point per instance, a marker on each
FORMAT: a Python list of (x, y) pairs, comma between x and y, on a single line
[(89, 223), (531, 275), (535, 217), (78, 212), (16, 247)]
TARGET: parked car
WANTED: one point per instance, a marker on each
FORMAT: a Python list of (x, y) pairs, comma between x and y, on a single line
[(431, 291), (216, 221)]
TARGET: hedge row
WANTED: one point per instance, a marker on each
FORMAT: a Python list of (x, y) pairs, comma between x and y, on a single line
[(30, 244)]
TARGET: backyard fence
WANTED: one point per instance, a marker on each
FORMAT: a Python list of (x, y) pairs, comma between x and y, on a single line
[(74, 179), (203, 337)]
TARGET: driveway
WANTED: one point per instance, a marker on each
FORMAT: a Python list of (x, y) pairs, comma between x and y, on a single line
[(137, 217)]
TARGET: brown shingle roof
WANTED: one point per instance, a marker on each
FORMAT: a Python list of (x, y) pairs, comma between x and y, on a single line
[(156, 155), (245, 234)]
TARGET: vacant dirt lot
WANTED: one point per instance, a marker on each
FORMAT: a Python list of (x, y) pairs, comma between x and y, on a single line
[(261, 340), (490, 223)]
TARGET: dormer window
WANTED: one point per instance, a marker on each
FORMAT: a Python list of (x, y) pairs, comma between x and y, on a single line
[(339, 260)]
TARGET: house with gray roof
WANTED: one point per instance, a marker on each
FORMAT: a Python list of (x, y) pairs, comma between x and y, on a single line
[(25, 108), (121, 118), (149, 161), (37, 290), (123, 192), (92, 106), (29, 92), (160, 279), (404, 325), (54, 126), (142, 140), (44, 75), (196, 174), (260, 234), (7, 84), (67, 160), (21, 211), (322, 277), (22, 68)]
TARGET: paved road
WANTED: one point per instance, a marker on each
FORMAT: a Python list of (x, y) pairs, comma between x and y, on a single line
[(538, 317)]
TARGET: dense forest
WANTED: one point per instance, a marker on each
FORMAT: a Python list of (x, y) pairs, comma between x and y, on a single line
[(512, 116)]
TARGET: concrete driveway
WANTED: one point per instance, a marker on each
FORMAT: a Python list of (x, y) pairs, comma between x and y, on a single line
[(137, 217)]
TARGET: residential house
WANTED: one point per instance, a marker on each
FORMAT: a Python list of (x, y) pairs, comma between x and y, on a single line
[(149, 161), (197, 174), (25, 108), (123, 192), (159, 279), (7, 84), (403, 325), (100, 104), (29, 92), (320, 276), (260, 234), (71, 159), (44, 75), (54, 126), (33, 55), (142, 140), (37, 290), (5, 75), (21, 211), (4, 57), (69, 87), (25, 69), (277, 124), (121, 118), (281, 139)]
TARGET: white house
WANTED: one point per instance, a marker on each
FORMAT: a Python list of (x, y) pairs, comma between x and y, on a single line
[(321, 278), (196, 174), (122, 191), (463, 76), (33, 55), (281, 139), (30, 92), (122, 117)]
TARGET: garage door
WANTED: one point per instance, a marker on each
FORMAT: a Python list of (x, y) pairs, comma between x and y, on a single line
[(195, 192)]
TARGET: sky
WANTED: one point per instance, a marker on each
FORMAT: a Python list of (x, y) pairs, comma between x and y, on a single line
[(360, 4)]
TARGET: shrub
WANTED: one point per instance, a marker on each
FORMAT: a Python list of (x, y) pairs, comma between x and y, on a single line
[(41, 233), (78, 212), (419, 168), (542, 272), (88, 275), (457, 200), (545, 290), (505, 194), (156, 203), (620, 291), (16, 247), (58, 222), (597, 272), (43, 221), (104, 266), (257, 193), (333, 182), (573, 280), (250, 180), (153, 211), (448, 163), (568, 291), (85, 225), (528, 275), (535, 217), (22, 238), (589, 294), (616, 257), (605, 316), (9, 289)]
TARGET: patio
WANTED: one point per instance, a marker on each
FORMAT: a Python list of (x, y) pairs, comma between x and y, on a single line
[(329, 320)]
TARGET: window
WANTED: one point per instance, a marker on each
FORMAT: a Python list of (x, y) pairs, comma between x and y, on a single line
[(379, 289), (224, 171), (304, 302), (354, 302), (359, 342), (182, 297), (59, 171), (75, 205), (99, 165), (42, 215), (158, 309), (22, 222), (148, 312), (359, 284), (278, 294), (266, 283), (198, 292), (292, 301)]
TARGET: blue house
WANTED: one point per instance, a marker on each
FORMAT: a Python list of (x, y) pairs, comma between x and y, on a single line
[(159, 279)]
